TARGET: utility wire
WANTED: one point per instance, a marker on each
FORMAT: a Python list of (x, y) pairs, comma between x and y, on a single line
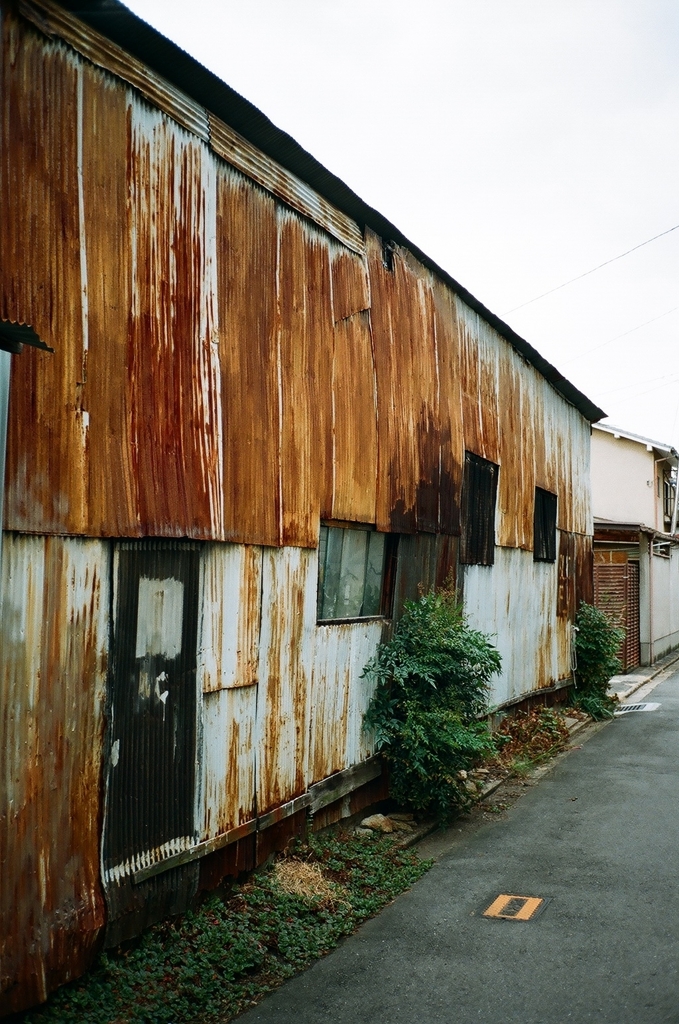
[(637, 384), (633, 398), (588, 272), (624, 334)]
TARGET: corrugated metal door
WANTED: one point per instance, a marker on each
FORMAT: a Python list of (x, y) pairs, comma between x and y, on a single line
[(616, 593), (151, 778)]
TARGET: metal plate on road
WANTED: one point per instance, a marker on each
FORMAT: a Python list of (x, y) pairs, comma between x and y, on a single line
[(509, 907), (625, 709)]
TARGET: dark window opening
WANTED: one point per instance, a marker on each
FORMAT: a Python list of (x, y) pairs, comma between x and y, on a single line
[(479, 492), (544, 526), (388, 250), (356, 573)]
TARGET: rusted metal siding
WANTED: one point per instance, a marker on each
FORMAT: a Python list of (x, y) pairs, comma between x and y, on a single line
[(224, 369), (404, 341), (247, 261), (54, 643), (228, 760), (515, 600), (230, 603), (340, 697), (237, 151), (349, 482), (305, 352), (52, 19), (111, 455), (41, 279), (286, 658), (174, 367)]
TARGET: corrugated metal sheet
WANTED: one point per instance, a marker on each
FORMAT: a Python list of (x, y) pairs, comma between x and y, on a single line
[(53, 638), (286, 659), (305, 353), (41, 281), (52, 19), (174, 365), (228, 760), (251, 404), (515, 600), (230, 603), (406, 363), (237, 151), (340, 697), (225, 370), (55, 21)]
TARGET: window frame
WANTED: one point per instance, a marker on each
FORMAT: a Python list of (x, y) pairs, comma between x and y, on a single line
[(479, 486), (388, 575), (545, 518)]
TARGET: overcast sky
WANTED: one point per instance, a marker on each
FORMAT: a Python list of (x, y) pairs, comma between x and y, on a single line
[(518, 142)]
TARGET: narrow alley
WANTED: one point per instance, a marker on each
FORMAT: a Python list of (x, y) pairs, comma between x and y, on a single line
[(596, 839)]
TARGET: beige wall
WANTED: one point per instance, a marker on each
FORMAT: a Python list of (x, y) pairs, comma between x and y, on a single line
[(624, 485)]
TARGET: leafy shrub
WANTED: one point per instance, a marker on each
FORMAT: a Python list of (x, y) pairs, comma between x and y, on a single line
[(597, 642), (432, 682)]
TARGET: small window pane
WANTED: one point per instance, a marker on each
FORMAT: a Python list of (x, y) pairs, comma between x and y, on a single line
[(352, 578), (333, 569), (350, 573), (373, 575)]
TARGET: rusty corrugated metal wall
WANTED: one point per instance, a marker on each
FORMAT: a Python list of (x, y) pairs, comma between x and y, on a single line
[(52, 685), (234, 360), (224, 369)]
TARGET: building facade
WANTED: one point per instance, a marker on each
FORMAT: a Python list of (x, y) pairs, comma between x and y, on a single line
[(636, 553), (266, 421)]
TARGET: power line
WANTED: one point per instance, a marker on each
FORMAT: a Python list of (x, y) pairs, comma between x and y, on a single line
[(658, 387), (588, 272), (637, 384), (624, 334)]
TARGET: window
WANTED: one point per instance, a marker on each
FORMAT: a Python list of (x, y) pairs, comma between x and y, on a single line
[(355, 573), (544, 526), (479, 490)]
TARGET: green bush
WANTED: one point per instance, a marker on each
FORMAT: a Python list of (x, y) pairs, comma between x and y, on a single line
[(597, 642), (432, 683)]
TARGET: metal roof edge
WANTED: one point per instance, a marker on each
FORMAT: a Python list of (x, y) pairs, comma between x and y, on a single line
[(628, 435), (118, 23)]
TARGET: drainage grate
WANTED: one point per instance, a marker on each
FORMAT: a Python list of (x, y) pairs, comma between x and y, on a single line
[(624, 709)]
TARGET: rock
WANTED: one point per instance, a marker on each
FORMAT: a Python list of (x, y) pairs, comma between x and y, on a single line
[(462, 774), (364, 832), (471, 787), (399, 816), (401, 826), (378, 823)]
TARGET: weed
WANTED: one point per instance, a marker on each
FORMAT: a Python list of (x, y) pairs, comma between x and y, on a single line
[(528, 739), (213, 962)]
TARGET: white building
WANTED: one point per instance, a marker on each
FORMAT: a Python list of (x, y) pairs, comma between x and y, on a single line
[(636, 554)]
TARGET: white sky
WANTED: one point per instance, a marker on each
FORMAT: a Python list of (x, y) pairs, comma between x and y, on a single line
[(518, 142)]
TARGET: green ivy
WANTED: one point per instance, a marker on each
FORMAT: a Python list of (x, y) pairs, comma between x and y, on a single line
[(597, 643), (432, 681)]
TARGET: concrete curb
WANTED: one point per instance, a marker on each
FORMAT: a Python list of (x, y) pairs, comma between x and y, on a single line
[(659, 667), (426, 828)]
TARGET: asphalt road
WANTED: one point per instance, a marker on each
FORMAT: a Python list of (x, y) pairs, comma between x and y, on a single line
[(598, 837)]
